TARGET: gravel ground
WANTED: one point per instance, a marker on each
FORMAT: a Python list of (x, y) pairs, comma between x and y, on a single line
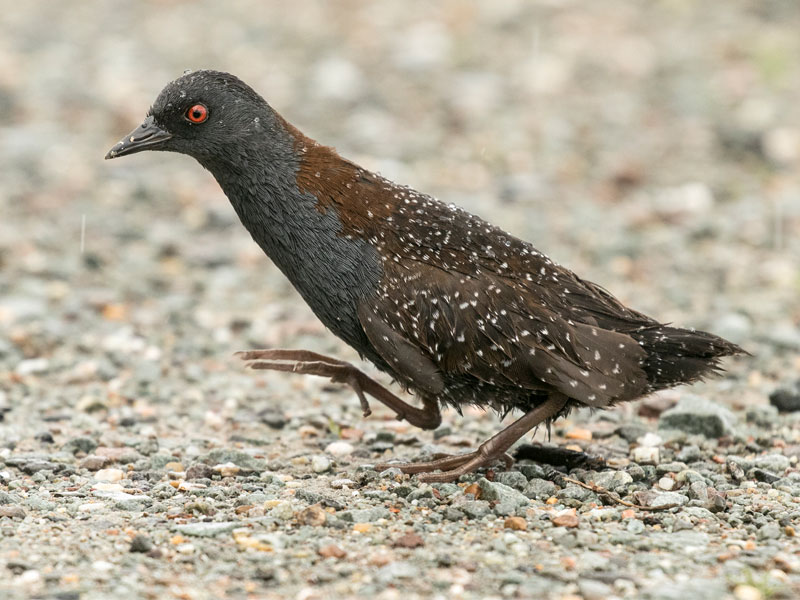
[(652, 147)]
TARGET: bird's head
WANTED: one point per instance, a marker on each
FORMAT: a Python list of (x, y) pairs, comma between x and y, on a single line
[(205, 114)]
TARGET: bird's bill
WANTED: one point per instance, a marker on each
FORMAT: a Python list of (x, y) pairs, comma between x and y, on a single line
[(145, 137)]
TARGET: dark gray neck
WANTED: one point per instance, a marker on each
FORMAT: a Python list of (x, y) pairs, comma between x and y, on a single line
[(332, 273)]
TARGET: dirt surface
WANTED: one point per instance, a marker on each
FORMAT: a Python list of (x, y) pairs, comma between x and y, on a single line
[(651, 147)]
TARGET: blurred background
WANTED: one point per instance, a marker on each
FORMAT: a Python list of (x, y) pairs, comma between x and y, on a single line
[(651, 147)]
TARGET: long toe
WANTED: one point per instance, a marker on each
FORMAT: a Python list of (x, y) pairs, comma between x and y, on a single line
[(475, 462), (444, 463)]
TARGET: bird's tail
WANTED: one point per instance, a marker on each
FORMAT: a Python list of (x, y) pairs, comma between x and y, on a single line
[(676, 356)]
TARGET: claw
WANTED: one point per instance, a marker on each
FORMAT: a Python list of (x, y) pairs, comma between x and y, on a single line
[(312, 363)]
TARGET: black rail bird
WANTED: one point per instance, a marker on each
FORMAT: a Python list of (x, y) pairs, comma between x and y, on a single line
[(454, 309)]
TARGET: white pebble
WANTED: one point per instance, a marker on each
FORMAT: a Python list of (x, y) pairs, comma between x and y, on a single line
[(102, 566), (341, 483), (339, 449), (185, 548), (650, 440), (227, 469), (666, 483), (320, 464), (646, 455), (32, 366), (109, 475)]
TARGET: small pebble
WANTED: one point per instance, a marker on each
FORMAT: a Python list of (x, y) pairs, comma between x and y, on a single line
[(109, 475), (566, 518), (645, 455), (747, 592), (313, 516), (515, 523), (320, 464), (339, 448), (338, 484), (228, 469), (409, 540), (141, 543), (94, 463), (666, 483), (331, 551)]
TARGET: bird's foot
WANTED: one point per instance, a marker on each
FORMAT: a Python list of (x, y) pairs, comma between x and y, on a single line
[(339, 371), (309, 363), (452, 466), (496, 447)]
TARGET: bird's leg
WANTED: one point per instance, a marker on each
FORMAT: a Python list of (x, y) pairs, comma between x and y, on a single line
[(311, 363), (492, 449)]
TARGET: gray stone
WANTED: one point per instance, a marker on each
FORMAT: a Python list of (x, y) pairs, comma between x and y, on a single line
[(504, 509), (141, 543), (697, 415), (40, 503), (200, 471), (532, 471), (12, 512), (540, 489), (786, 399), (655, 499), (575, 492), (423, 491), (630, 432), (612, 480), (497, 492), (707, 589), (403, 490), (79, 444), (211, 529), (282, 511), (671, 467), (634, 526), (453, 514), (364, 515), (591, 589), (391, 473), (475, 509), (241, 459), (775, 463), (770, 531), (397, 570), (146, 446), (698, 491), (690, 453), (447, 489), (159, 461), (31, 464), (512, 479), (689, 476), (321, 464), (763, 416)]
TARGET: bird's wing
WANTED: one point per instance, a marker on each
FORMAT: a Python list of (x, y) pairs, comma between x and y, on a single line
[(412, 365), (491, 330)]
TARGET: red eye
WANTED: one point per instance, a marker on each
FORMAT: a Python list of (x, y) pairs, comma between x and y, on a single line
[(197, 113)]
